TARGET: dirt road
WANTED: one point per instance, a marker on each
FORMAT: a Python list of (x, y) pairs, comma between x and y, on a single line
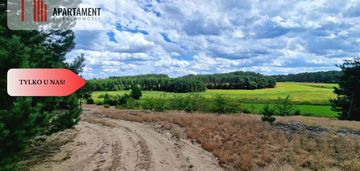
[(108, 144)]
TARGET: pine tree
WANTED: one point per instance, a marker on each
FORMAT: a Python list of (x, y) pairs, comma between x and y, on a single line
[(21, 119), (348, 93)]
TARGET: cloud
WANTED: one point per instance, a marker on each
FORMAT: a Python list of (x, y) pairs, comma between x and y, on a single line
[(193, 37)]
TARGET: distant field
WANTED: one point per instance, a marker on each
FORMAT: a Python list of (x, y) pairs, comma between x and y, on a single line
[(310, 98)]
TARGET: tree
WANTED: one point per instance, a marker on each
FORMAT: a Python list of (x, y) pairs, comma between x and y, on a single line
[(21, 119), (285, 106), (267, 114), (347, 102), (136, 92)]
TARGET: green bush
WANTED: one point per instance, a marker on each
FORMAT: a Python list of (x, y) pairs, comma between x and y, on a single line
[(90, 101), (190, 103), (285, 106), (267, 114), (132, 104), (110, 99), (193, 102), (122, 100), (136, 92), (224, 104), (250, 109), (155, 104), (106, 106), (246, 110), (177, 102)]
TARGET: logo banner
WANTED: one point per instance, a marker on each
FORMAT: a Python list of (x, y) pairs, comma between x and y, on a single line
[(60, 14)]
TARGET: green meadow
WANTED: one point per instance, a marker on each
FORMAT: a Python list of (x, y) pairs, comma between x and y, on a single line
[(310, 99)]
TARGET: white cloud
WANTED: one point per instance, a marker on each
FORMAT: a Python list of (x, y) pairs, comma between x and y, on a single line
[(190, 37)]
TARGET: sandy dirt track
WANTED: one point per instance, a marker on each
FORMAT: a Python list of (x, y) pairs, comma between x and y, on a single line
[(108, 144)]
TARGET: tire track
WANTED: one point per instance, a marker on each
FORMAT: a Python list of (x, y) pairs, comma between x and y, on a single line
[(110, 144)]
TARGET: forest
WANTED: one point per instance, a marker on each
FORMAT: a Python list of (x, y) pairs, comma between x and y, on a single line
[(235, 80), (189, 83), (315, 77)]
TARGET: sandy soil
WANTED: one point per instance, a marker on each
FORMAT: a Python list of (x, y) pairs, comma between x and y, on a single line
[(107, 144)]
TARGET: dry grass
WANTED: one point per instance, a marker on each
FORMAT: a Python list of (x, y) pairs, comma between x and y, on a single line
[(244, 142), (324, 122)]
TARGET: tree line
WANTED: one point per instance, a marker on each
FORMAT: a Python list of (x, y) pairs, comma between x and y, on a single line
[(316, 77), (235, 80), (150, 83), (190, 83)]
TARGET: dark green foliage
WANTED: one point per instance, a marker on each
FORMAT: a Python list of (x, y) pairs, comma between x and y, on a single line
[(348, 93), (235, 80), (136, 92), (152, 82), (191, 83), (315, 77), (268, 114), (122, 100), (63, 119), (110, 99), (246, 110), (21, 119), (90, 101), (285, 106)]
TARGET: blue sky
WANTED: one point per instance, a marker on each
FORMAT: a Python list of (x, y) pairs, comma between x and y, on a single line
[(183, 37)]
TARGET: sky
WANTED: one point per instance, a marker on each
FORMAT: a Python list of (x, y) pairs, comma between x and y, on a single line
[(180, 37)]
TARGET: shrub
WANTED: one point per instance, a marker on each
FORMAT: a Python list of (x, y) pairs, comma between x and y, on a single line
[(155, 104), (90, 101), (297, 112), (285, 106), (106, 106), (224, 105), (193, 102), (246, 110), (132, 103), (110, 100), (122, 100), (136, 92), (267, 114), (177, 103), (250, 109)]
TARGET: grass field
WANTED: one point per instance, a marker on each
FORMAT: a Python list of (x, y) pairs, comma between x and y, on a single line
[(310, 98)]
